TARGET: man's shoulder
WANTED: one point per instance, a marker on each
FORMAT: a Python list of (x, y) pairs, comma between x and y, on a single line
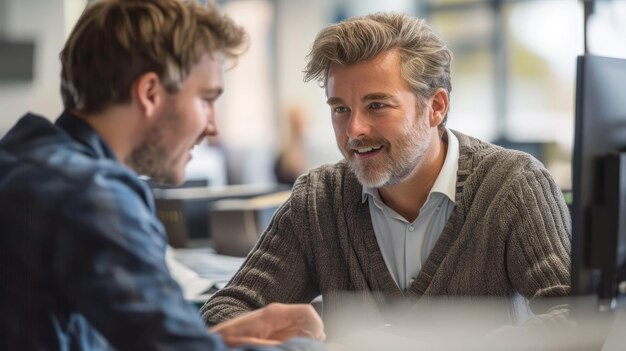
[(328, 181), (491, 173), (39, 159), (68, 189), (35, 138), (335, 169), (475, 153), (328, 175)]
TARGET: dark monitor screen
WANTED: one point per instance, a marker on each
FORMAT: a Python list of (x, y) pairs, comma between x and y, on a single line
[(16, 61), (599, 177)]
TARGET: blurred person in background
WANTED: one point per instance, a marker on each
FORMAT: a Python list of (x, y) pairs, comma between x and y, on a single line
[(81, 250), (291, 161), (416, 210)]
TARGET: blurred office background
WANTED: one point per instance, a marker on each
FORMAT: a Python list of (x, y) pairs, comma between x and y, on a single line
[(513, 74)]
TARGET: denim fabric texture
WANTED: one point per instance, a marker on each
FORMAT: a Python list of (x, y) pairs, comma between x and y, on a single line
[(82, 254)]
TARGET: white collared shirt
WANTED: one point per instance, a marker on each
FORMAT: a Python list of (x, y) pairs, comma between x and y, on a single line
[(405, 246)]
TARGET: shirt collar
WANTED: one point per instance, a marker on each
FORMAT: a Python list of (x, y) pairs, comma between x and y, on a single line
[(81, 131), (446, 180)]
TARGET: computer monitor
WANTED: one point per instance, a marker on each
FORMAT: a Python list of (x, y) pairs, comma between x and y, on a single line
[(16, 60), (599, 179)]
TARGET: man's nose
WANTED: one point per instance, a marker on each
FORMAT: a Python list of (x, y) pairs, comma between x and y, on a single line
[(358, 125), (211, 126)]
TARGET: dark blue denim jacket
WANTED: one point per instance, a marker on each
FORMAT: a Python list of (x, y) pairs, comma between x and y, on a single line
[(82, 254)]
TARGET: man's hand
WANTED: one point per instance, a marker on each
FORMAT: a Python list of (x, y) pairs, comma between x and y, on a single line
[(272, 325)]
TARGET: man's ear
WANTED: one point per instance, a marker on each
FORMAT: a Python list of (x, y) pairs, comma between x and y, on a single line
[(438, 107), (149, 93)]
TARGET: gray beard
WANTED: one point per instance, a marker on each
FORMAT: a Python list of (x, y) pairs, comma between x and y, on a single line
[(394, 170)]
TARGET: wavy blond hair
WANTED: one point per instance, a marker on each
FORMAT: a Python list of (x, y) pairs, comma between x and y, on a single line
[(116, 41)]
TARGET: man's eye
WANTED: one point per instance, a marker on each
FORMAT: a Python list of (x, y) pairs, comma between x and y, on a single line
[(377, 105), (340, 109)]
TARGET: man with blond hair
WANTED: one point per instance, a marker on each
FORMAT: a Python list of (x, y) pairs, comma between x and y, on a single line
[(416, 210), (82, 254)]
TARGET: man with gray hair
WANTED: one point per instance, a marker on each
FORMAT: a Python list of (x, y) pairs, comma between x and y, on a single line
[(415, 210)]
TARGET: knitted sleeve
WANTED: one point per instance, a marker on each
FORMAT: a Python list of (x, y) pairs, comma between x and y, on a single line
[(538, 247), (276, 270)]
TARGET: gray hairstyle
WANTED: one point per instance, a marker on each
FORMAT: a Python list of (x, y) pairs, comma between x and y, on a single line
[(425, 58)]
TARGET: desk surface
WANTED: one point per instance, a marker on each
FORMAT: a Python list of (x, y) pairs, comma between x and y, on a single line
[(200, 271)]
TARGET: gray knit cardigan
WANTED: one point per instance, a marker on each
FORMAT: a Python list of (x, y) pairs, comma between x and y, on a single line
[(509, 236)]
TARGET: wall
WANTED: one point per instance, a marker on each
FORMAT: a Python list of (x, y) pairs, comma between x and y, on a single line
[(42, 22)]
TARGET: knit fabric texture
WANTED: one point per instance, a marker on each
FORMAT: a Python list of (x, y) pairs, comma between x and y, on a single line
[(508, 237)]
